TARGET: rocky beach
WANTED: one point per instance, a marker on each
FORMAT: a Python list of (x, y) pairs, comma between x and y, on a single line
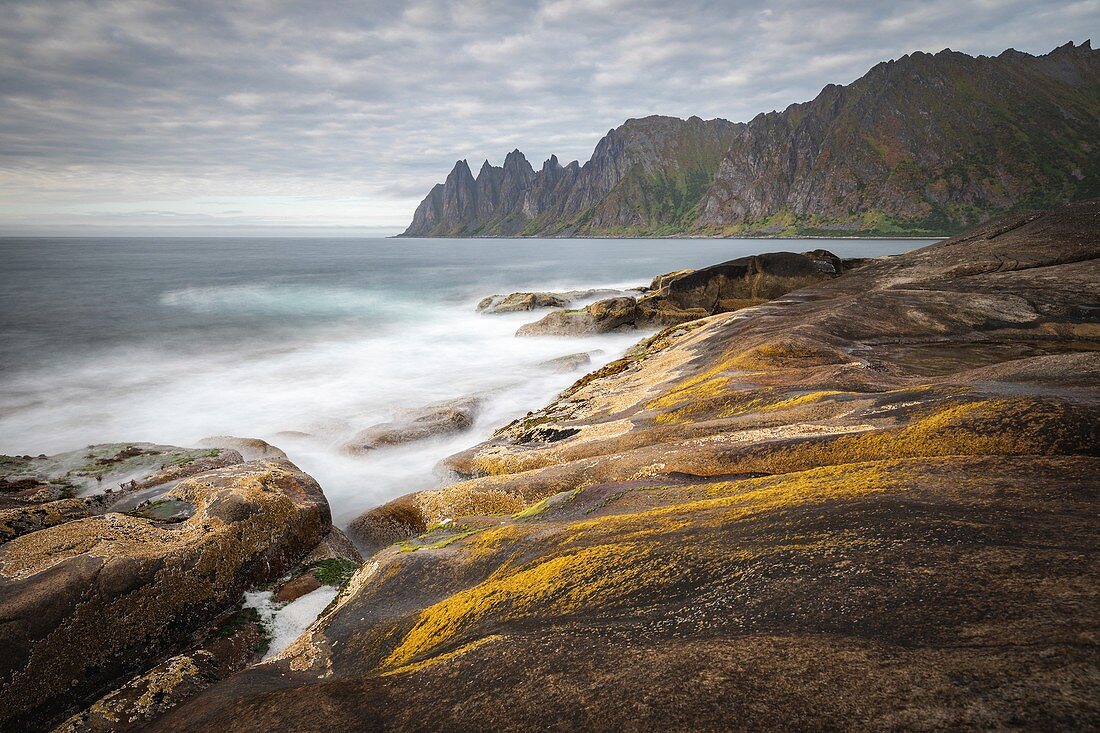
[(819, 493)]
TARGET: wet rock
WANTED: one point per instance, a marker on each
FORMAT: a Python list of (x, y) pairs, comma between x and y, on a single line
[(167, 511), (191, 464), (335, 546), (25, 519), (297, 587), (520, 302), (381, 526), (440, 418), (229, 646), (602, 316), (103, 469), (567, 363), (250, 449)]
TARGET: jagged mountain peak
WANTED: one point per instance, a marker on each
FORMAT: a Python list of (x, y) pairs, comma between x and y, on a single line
[(461, 170)]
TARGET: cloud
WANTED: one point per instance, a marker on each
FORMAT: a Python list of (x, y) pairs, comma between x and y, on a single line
[(130, 104)]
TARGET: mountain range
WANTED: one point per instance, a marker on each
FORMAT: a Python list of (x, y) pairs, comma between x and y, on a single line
[(928, 144)]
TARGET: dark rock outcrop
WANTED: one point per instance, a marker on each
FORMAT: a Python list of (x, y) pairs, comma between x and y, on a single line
[(685, 295)]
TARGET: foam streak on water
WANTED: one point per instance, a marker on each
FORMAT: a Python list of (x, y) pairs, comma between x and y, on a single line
[(299, 342)]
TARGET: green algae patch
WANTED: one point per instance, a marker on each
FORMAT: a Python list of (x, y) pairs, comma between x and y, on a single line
[(549, 502), (437, 539), (334, 571), (164, 510)]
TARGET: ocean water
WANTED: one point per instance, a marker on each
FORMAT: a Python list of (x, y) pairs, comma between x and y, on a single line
[(302, 342)]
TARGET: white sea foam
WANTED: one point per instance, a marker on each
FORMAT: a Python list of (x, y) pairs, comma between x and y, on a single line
[(321, 388), (285, 622)]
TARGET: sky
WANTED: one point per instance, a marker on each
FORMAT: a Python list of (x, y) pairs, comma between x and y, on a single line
[(334, 118)]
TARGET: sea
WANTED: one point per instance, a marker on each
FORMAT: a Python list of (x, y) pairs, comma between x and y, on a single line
[(305, 342)]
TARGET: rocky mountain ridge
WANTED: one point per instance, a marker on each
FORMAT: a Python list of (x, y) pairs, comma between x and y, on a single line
[(927, 144)]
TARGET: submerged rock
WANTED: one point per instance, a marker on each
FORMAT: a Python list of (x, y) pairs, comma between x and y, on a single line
[(568, 362), (440, 418)]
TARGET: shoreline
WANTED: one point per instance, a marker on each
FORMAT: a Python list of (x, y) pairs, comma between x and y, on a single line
[(936, 238)]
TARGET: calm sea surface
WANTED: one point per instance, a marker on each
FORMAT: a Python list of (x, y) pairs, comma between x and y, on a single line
[(302, 342)]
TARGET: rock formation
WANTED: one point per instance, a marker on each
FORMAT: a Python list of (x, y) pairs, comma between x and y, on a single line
[(518, 302), (677, 297), (643, 174), (926, 145), (870, 507), (90, 596)]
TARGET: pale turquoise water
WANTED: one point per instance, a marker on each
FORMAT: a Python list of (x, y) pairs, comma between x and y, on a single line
[(170, 340)]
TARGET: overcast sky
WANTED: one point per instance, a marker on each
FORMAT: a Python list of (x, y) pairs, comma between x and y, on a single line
[(177, 116)]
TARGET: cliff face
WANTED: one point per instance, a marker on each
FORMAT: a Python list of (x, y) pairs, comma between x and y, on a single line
[(927, 144)]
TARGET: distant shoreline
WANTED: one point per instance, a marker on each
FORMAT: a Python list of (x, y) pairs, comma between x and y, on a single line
[(692, 236)]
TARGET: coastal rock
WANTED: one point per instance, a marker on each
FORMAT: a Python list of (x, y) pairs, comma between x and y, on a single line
[(685, 295), (250, 449), (25, 519), (335, 546), (440, 418), (296, 587), (102, 474), (600, 317), (230, 645), (89, 601), (381, 526), (865, 508), (661, 281), (567, 363), (519, 302)]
